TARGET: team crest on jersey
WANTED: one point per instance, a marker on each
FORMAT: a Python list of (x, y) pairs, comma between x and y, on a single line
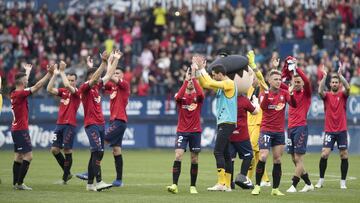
[(281, 97), (113, 94), (190, 107), (65, 101), (280, 106), (98, 99)]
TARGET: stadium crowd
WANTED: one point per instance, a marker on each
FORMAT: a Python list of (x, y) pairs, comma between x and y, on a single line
[(158, 43)]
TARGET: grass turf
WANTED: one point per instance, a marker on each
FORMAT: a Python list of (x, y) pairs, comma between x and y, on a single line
[(148, 172)]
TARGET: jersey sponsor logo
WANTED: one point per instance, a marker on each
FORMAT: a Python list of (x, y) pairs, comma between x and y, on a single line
[(277, 107), (97, 99), (190, 107), (113, 94), (280, 106), (65, 101)]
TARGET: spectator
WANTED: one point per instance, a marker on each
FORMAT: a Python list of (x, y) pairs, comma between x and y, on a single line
[(146, 57), (159, 42), (142, 88), (160, 18), (239, 16), (199, 20)]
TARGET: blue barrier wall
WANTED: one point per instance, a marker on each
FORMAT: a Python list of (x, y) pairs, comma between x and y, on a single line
[(152, 123)]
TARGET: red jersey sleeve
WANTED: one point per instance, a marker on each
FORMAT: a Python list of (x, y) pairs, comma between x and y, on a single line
[(108, 87), (100, 84), (60, 92), (325, 96), (307, 86), (284, 86), (123, 84), (23, 93), (84, 87), (290, 99), (199, 92), (248, 106), (264, 101), (180, 94)]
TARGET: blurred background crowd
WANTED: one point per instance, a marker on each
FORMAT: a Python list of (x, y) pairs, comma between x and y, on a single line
[(158, 41)]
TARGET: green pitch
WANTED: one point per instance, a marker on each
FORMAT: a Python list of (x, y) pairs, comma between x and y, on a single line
[(148, 172)]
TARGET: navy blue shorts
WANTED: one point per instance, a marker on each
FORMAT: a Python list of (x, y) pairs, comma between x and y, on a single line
[(297, 139), (271, 139), (339, 137), (115, 133), (243, 149), (64, 136), (194, 140), (22, 141), (95, 134)]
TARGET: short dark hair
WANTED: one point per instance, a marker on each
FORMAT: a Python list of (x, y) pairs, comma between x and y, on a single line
[(218, 68), (90, 71), (120, 68), (72, 74), (335, 77), (20, 75)]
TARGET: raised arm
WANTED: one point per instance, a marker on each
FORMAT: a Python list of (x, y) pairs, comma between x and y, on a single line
[(251, 56), (98, 72), (198, 89), (112, 66), (27, 68), (50, 87), (346, 85), (255, 103), (343, 81), (180, 94), (43, 80), (89, 62), (205, 80), (264, 100), (322, 84), (66, 82), (307, 86)]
